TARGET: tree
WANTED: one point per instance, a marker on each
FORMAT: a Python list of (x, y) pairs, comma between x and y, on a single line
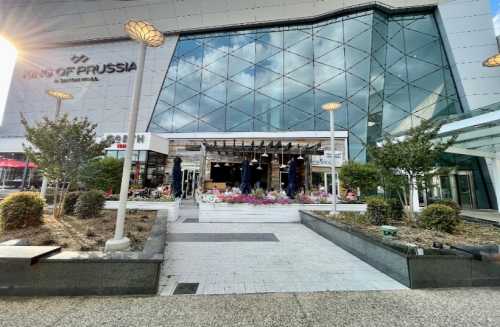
[(356, 175), (102, 174), (60, 148), (403, 161)]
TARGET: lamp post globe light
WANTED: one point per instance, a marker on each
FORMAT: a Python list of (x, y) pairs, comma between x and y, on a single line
[(147, 36), (331, 107), (59, 96), (493, 61)]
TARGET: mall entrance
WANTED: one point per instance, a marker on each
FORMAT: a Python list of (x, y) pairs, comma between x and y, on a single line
[(457, 186), (229, 174), (190, 179), (268, 163)]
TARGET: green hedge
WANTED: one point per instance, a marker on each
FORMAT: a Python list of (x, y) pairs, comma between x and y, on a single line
[(450, 203), (70, 202), (20, 210), (376, 210), (439, 217), (395, 210), (89, 204)]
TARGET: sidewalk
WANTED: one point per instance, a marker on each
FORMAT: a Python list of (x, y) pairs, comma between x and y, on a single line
[(458, 307)]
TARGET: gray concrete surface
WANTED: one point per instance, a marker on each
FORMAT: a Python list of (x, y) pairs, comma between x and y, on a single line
[(457, 307), (484, 215)]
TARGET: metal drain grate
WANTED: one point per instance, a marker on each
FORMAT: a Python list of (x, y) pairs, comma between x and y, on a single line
[(186, 288)]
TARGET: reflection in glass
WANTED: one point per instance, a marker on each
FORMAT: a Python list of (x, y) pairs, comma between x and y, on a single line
[(390, 68)]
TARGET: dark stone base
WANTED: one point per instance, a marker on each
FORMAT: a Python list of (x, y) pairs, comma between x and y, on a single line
[(88, 273), (446, 268)]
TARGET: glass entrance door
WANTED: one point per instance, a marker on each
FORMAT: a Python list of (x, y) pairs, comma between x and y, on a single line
[(464, 188), (189, 182)]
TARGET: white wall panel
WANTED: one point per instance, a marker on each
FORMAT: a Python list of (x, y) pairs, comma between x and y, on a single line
[(469, 37), (106, 101), (77, 20)]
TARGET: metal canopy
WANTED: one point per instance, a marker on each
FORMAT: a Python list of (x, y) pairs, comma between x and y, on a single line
[(477, 133), (271, 147)]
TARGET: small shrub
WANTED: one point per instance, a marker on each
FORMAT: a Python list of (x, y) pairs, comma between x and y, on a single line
[(90, 232), (352, 218), (70, 202), (395, 209), (89, 204), (439, 217), (377, 210), (49, 196), (20, 210), (450, 203)]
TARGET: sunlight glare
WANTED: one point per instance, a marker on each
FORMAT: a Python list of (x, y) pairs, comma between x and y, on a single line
[(8, 53)]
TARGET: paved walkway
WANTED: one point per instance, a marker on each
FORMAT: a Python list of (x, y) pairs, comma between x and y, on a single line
[(484, 215), (458, 307), (235, 258)]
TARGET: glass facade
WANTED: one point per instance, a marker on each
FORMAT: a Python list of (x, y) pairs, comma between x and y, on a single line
[(390, 72)]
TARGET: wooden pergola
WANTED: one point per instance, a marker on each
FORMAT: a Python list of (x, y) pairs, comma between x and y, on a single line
[(271, 147)]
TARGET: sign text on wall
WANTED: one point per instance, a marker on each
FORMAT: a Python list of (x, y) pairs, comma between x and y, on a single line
[(80, 71)]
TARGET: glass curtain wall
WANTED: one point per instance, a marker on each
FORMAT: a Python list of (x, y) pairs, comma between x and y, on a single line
[(390, 72)]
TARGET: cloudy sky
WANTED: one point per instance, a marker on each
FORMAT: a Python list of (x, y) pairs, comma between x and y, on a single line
[(495, 7)]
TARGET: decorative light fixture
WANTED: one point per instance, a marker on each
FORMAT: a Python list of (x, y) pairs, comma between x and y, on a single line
[(216, 165), (144, 32), (300, 154), (493, 61), (283, 166), (147, 36), (265, 155), (59, 95), (331, 107), (254, 160), (227, 164), (260, 163)]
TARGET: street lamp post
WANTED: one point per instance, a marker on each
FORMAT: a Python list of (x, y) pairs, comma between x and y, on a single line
[(147, 36), (494, 61), (331, 107), (59, 96)]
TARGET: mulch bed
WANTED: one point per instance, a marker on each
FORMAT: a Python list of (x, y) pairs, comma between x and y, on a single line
[(467, 233), (75, 234)]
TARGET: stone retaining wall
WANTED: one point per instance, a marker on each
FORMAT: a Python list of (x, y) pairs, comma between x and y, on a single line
[(89, 273), (445, 268)]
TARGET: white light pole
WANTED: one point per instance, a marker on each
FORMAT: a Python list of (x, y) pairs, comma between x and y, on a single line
[(59, 95), (494, 61), (147, 36), (331, 107)]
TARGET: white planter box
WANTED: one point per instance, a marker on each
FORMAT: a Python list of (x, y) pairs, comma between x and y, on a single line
[(171, 207), (272, 213)]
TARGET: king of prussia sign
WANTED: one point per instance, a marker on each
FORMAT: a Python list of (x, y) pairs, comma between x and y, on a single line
[(80, 71)]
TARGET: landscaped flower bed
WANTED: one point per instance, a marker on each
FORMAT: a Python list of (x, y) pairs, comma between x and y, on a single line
[(260, 197), (74, 234), (399, 258), (467, 233), (264, 207)]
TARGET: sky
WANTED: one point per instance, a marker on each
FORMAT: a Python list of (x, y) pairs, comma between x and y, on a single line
[(495, 10)]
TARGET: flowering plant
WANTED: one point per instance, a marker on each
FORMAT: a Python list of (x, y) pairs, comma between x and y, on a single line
[(261, 197)]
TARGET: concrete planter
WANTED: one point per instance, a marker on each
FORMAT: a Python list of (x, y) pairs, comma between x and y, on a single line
[(445, 268), (87, 273), (171, 207), (271, 213)]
